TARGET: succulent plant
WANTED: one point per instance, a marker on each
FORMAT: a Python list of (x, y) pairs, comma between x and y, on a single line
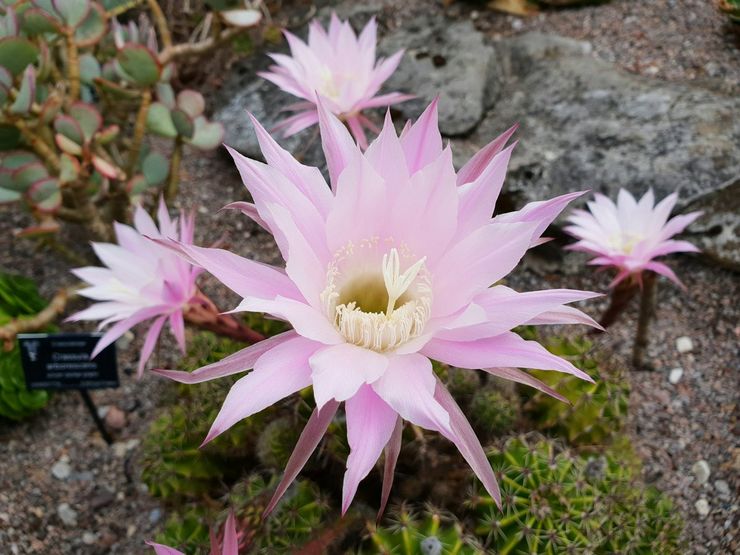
[(732, 9), (76, 88), (598, 410), (494, 412), (187, 529), (556, 502), (428, 532), (18, 297)]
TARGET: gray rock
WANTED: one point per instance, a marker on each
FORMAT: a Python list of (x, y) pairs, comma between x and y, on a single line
[(701, 471), (717, 231), (88, 538), (155, 515), (722, 487), (674, 376), (702, 507), (587, 125), (61, 469), (445, 59), (67, 514), (684, 344)]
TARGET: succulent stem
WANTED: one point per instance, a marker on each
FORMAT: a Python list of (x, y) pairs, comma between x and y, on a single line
[(38, 144), (139, 132), (73, 64), (174, 177), (122, 8), (161, 22), (620, 297), (37, 321), (197, 48), (647, 311)]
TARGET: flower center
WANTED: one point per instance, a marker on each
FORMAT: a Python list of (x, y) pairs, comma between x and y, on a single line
[(371, 302), (625, 242)]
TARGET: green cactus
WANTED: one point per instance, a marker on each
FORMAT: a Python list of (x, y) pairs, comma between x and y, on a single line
[(426, 533), (494, 412), (556, 502), (598, 410), (173, 465), (18, 297), (276, 442), (187, 529)]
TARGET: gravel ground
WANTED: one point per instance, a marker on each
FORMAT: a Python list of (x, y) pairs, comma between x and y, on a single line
[(674, 426)]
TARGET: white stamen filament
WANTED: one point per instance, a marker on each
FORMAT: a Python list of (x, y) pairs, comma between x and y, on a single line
[(397, 283)]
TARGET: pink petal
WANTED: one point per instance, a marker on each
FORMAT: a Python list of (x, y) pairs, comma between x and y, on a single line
[(250, 211), (487, 255), (385, 100), (663, 270), (392, 450), (279, 372), (386, 155), (339, 371), (478, 198), (357, 131), (231, 542), (463, 436), (151, 340), (408, 387), (518, 376), (671, 246), (295, 124), (177, 325), (308, 180), (247, 278), (370, 425), (241, 361), (423, 143), (310, 437), (160, 549), (119, 328), (507, 349), (339, 148), (481, 160), (306, 320)]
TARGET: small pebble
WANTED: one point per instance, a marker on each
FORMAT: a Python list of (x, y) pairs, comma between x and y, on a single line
[(702, 471), (684, 344), (88, 538), (431, 546), (722, 487), (675, 375), (702, 507), (67, 514), (155, 515), (61, 469)]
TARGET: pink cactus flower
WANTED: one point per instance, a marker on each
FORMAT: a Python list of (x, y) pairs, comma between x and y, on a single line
[(142, 281), (390, 267), (229, 543), (629, 235), (341, 68)]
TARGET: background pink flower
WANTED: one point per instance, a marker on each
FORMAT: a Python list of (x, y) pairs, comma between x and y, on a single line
[(390, 267), (341, 68), (141, 281), (629, 235)]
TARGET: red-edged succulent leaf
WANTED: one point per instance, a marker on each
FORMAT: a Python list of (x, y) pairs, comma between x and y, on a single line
[(6, 78), (191, 102), (44, 227), (67, 145), (107, 134), (107, 169), (16, 53), (166, 95), (50, 108), (92, 28), (45, 195), (14, 159), (208, 134), (38, 22), (137, 185), (72, 12), (70, 128), (26, 94), (69, 168), (183, 123), (8, 195), (28, 174), (10, 23), (88, 117), (159, 120), (139, 64)]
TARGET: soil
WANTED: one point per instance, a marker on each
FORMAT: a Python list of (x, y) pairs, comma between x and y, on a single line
[(673, 426)]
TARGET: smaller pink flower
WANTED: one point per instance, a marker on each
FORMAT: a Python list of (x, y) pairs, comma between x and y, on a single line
[(229, 545), (142, 281), (629, 235), (341, 68)]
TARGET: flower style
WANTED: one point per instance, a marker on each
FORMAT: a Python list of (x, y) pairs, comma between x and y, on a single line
[(629, 235), (229, 543), (390, 267), (142, 281), (338, 66)]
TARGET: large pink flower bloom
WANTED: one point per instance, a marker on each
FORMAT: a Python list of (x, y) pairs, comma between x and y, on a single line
[(629, 235), (229, 543), (142, 281), (390, 267), (341, 68)]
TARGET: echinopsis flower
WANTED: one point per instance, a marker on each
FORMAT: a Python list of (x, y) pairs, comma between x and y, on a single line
[(341, 68), (141, 281), (390, 267), (629, 235), (229, 542)]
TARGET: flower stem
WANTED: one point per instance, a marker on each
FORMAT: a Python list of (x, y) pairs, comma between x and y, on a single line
[(647, 311), (620, 298), (202, 313)]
